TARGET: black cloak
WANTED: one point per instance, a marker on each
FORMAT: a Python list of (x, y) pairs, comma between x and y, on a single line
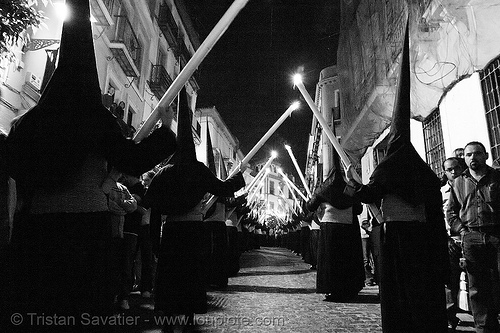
[(48, 144), (183, 182)]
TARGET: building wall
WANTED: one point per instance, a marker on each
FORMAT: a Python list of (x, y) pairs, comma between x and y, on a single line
[(448, 40), (134, 92), (463, 115)]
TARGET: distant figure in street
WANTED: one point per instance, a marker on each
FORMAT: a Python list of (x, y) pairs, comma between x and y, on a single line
[(474, 213), (367, 245)]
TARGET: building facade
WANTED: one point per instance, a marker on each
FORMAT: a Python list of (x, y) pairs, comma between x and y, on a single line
[(140, 47), (224, 144), (455, 65)]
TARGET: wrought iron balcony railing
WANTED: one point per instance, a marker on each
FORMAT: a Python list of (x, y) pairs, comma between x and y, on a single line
[(101, 11), (167, 25), (159, 80), (126, 47)]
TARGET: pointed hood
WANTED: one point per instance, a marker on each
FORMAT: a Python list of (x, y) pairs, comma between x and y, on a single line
[(332, 189), (399, 135), (75, 80), (210, 152), (403, 171), (186, 151), (181, 185), (50, 142), (221, 167)]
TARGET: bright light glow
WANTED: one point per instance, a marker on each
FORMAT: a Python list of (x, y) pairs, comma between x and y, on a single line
[(279, 170), (61, 10), (274, 154), (295, 105), (297, 79)]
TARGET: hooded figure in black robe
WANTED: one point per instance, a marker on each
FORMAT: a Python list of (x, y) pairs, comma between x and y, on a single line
[(412, 238), (340, 274), (179, 191), (59, 154), (215, 227)]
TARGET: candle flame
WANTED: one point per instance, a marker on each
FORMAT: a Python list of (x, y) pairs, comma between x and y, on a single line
[(297, 79)]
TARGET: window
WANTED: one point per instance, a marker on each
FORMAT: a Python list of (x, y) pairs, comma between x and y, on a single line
[(434, 142), (490, 82), (271, 187)]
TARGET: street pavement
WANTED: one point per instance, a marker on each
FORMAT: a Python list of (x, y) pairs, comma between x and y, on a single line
[(274, 291)]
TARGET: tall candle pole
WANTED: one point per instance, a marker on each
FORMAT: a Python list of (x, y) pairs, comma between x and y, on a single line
[(294, 106), (297, 80), (257, 188), (293, 194), (258, 184), (301, 175), (295, 201), (261, 172), (291, 184), (191, 67)]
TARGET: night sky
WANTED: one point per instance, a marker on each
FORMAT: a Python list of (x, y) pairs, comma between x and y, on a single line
[(247, 76)]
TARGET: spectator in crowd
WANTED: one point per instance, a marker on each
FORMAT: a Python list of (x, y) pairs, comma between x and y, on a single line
[(367, 245), (452, 168), (458, 152), (120, 203), (473, 211), (108, 97)]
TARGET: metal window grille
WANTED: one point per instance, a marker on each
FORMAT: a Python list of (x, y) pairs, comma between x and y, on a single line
[(434, 142), (490, 81)]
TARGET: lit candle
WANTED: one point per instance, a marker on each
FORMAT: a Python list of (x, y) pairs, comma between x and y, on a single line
[(297, 80), (291, 184), (191, 67), (264, 169), (301, 175), (295, 201), (294, 106), (257, 188)]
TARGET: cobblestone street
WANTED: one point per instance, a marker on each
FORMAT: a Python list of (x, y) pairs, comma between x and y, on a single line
[(275, 292)]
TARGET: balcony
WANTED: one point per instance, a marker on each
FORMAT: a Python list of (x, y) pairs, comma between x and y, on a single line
[(126, 48), (159, 81), (167, 25), (101, 10)]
